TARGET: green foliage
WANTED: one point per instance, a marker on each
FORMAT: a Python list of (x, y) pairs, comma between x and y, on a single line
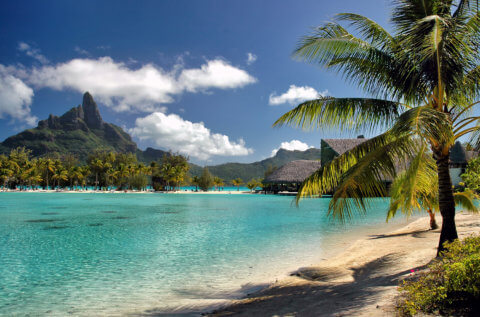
[(428, 69), (206, 180), (254, 183), (138, 182), (237, 182), (471, 177), (451, 284), (171, 172)]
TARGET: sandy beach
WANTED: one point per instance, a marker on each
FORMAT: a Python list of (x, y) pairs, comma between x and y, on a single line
[(361, 281)]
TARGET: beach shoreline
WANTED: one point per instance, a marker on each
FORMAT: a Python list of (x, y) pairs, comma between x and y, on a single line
[(178, 192), (361, 280)]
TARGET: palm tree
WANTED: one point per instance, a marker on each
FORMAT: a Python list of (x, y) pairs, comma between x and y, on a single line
[(252, 184), (237, 182), (218, 182), (423, 82), (415, 189), (97, 166), (195, 181), (48, 165), (60, 174)]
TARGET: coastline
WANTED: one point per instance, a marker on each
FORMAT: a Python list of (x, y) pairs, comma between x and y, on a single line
[(178, 192), (361, 280)]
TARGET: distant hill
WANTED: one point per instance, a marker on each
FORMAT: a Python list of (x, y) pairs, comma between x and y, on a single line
[(79, 131), (248, 171)]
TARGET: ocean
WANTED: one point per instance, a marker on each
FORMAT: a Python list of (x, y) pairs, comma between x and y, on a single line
[(119, 254)]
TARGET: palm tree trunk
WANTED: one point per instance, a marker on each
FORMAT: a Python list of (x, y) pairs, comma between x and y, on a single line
[(446, 201), (433, 223)]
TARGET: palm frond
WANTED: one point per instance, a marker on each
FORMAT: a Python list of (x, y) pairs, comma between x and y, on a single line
[(466, 200), (366, 179), (369, 29), (345, 113), (415, 189)]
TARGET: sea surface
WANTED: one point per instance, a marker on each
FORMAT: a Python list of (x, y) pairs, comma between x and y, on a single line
[(146, 254)]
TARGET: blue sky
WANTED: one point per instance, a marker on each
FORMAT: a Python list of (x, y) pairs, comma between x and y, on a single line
[(206, 78)]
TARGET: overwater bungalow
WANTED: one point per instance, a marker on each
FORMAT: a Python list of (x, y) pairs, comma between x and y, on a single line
[(290, 176)]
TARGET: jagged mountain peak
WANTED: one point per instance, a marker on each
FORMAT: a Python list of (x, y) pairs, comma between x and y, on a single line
[(92, 116)]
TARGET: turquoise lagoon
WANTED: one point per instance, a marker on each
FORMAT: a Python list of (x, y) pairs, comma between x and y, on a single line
[(116, 254)]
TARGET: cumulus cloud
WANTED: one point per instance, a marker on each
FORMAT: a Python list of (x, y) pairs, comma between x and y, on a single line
[(15, 97), (294, 145), (215, 74), (32, 52), (194, 139), (295, 95), (251, 58), (142, 89)]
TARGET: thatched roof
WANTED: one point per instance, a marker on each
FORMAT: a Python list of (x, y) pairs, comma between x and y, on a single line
[(294, 172), (343, 145)]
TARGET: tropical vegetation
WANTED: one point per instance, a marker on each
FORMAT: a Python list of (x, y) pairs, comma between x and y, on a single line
[(422, 82), (450, 287), (102, 170), (471, 177)]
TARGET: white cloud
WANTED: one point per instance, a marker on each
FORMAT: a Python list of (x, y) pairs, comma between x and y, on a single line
[(251, 58), (296, 95), (194, 139), (81, 51), (294, 145), (32, 52), (215, 74), (15, 97), (141, 89)]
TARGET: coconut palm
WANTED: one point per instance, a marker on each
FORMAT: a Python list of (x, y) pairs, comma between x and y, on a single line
[(423, 82), (59, 175), (196, 181), (218, 182), (48, 166), (237, 182), (415, 190)]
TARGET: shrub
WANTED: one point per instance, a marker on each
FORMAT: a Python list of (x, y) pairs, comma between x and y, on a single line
[(450, 286)]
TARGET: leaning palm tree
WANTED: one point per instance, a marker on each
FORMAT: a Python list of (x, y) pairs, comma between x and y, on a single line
[(416, 189), (423, 83)]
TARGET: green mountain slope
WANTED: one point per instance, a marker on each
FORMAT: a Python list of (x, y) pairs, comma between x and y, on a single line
[(79, 131), (246, 172)]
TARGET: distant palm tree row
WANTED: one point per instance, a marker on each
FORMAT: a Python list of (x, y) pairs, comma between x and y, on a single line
[(103, 170)]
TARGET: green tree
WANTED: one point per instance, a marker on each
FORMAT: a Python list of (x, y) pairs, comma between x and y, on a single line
[(206, 180), (415, 190), (471, 177), (253, 183), (423, 82), (218, 182), (237, 182), (195, 182)]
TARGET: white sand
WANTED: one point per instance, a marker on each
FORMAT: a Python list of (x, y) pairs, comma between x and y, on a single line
[(361, 281)]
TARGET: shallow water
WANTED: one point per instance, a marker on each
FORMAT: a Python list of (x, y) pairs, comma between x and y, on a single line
[(114, 254)]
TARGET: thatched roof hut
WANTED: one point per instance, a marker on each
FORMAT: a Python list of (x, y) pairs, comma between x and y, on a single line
[(341, 146), (293, 172)]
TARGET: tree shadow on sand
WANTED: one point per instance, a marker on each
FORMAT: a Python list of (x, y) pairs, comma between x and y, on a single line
[(318, 296)]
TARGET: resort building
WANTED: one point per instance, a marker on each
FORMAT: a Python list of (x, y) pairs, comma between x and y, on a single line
[(290, 176), (459, 158), (331, 148)]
